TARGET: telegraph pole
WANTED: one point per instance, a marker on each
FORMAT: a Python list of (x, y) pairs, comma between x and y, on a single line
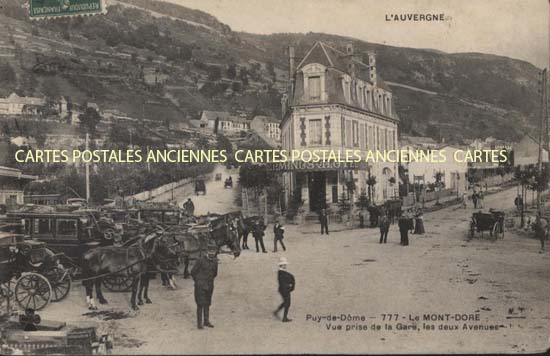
[(87, 171), (543, 135)]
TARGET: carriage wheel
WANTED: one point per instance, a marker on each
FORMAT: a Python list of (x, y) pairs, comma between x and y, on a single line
[(60, 280), (33, 290), (117, 283)]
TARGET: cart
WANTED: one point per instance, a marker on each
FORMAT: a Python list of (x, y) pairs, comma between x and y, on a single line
[(493, 222), (228, 183), (37, 275)]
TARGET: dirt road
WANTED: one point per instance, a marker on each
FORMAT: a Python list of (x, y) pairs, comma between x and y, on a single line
[(503, 286)]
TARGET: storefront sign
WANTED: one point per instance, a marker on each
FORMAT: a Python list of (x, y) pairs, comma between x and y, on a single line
[(315, 166)]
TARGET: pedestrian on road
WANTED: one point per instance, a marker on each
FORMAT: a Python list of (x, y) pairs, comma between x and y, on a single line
[(518, 202), (258, 234), (419, 223), (279, 232), (474, 199), (204, 272), (480, 200), (540, 232), (384, 224), (464, 200), (404, 225), (286, 286), (323, 218), (189, 207)]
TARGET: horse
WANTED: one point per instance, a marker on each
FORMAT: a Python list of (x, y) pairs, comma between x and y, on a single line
[(195, 240), (134, 261), (245, 226)]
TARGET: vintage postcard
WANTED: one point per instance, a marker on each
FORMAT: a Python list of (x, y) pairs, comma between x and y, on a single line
[(184, 177)]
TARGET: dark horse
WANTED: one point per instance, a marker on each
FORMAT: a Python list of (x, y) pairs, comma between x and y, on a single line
[(218, 231), (133, 261), (245, 226)]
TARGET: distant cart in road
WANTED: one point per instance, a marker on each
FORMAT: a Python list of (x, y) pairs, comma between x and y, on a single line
[(492, 221)]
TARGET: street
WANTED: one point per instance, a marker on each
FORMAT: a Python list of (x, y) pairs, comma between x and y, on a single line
[(505, 283)]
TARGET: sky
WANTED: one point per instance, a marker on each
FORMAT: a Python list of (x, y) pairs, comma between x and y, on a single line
[(513, 28)]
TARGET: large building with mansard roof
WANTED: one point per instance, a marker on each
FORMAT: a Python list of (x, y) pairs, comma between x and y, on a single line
[(335, 101)]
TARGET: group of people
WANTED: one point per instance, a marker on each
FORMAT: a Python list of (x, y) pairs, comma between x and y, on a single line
[(205, 271), (477, 200), (408, 221), (258, 232)]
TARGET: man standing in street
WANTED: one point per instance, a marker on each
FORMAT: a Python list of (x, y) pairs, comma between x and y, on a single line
[(474, 199), (384, 225), (204, 272), (286, 286), (540, 233), (404, 225), (189, 207), (279, 232), (323, 218), (258, 234)]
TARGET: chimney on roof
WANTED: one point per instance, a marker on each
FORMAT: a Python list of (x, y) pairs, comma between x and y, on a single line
[(291, 56), (372, 67), (351, 59)]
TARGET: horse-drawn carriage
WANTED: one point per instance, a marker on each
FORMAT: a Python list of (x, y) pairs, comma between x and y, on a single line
[(69, 233), (493, 222), (228, 183), (39, 277)]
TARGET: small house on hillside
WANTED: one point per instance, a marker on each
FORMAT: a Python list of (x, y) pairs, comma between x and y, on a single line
[(267, 126)]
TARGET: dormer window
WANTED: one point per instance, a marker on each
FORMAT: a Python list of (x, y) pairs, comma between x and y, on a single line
[(314, 85)]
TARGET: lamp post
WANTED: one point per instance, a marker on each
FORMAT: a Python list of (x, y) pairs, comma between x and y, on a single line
[(457, 185)]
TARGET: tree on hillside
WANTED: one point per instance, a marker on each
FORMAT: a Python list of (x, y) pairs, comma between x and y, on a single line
[(7, 74), (50, 88), (89, 120), (214, 73), (231, 71)]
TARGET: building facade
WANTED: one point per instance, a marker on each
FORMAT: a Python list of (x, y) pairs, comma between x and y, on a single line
[(12, 182), (336, 102), (451, 173), (223, 122), (20, 105), (267, 127)]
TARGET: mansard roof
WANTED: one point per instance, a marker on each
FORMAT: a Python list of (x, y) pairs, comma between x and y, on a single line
[(331, 57)]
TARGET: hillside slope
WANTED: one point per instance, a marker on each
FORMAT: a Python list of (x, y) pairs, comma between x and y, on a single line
[(208, 66)]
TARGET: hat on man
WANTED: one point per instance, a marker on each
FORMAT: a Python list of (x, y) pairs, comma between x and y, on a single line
[(282, 261)]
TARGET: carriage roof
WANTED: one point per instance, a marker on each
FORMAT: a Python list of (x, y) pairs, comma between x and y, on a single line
[(68, 215)]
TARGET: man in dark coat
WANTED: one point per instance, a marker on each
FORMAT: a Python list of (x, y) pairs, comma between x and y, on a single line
[(323, 218), (384, 225), (474, 199), (204, 271), (258, 234), (189, 207), (404, 226), (279, 232), (286, 286)]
